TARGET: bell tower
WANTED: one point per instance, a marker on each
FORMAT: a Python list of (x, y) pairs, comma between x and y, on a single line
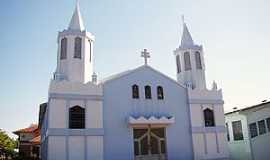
[(75, 51), (190, 62)]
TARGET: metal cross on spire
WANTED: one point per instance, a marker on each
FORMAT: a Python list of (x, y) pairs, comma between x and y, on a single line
[(145, 54), (183, 18)]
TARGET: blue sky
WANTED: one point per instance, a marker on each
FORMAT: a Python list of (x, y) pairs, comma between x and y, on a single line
[(235, 36)]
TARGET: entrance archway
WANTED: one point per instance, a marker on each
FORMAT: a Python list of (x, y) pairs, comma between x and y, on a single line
[(149, 143)]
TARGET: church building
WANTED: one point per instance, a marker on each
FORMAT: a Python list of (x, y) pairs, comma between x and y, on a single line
[(139, 114)]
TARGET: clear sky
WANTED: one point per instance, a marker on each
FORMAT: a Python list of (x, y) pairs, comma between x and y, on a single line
[(235, 36)]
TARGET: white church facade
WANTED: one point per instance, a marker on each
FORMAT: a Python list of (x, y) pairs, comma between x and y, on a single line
[(140, 114)]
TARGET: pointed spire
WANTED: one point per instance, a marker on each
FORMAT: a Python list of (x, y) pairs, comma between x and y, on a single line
[(76, 22), (186, 40), (214, 86)]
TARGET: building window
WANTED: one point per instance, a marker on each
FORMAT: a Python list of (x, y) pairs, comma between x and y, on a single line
[(76, 117), (253, 130), (237, 130), (78, 48), (160, 93), (198, 60), (262, 127), (209, 119), (147, 92), (228, 133), (135, 91), (268, 123), (187, 61), (63, 52), (90, 50), (178, 64)]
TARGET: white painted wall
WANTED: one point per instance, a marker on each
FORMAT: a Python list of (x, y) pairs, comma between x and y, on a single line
[(57, 116), (196, 115), (74, 69), (26, 136), (94, 114), (198, 145), (66, 87), (223, 145), (57, 148), (196, 76), (208, 143), (76, 146), (88, 96), (94, 147)]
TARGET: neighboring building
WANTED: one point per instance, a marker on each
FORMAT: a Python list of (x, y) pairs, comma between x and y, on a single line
[(29, 142), (139, 114), (249, 132)]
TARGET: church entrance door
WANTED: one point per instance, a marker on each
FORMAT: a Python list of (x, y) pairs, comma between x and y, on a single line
[(149, 143)]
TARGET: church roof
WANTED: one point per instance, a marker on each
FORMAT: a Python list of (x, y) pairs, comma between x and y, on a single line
[(125, 73), (186, 40), (76, 22)]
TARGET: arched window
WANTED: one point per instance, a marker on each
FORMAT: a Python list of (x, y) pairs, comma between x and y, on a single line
[(178, 64), (63, 52), (90, 50), (209, 120), (147, 90), (76, 117), (187, 61), (198, 60), (160, 93), (135, 91), (78, 48)]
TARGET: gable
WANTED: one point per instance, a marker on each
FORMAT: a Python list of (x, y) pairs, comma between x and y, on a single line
[(145, 73)]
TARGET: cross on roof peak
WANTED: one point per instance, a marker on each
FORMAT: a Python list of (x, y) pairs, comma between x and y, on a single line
[(145, 54), (183, 18)]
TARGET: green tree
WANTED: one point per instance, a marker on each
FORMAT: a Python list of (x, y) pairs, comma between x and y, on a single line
[(7, 144)]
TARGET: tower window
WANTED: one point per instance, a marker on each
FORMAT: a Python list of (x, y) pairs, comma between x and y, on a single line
[(198, 60), (135, 91), (237, 130), (160, 93), (187, 61), (78, 48), (178, 64), (76, 117), (90, 51), (147, 92), (228, 133), (209, 120), (63, 52)]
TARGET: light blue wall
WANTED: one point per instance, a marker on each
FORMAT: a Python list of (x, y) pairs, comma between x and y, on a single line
[(119, 105), (239, 150), (260, 144)]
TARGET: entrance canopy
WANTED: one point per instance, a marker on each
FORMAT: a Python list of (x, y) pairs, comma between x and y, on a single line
[(153, 120)]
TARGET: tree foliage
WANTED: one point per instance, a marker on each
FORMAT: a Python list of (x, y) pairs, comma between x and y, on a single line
[(7, 144)]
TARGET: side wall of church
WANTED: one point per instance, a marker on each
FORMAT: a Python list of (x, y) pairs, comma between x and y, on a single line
[(119, 105), (74, 144), (209, 142)]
